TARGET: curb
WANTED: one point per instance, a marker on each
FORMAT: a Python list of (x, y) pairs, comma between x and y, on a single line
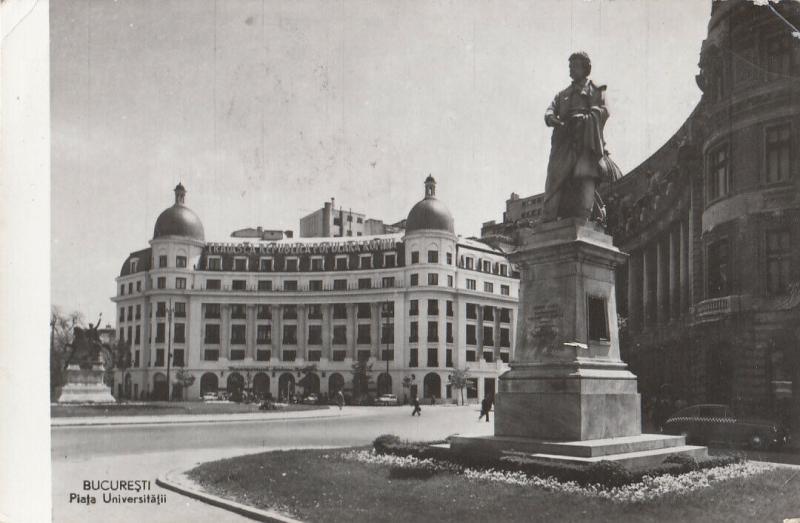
[(232, 419), (174, 481)]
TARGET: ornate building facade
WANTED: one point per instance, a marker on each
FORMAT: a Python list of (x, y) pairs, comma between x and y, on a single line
[(711, 222), (292, 316)]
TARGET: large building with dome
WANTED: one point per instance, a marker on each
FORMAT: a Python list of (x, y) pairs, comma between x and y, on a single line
[(292, 317)]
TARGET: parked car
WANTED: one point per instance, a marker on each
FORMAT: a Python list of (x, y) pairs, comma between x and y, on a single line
[(210, 396), (387, 399), (718, 423), (311, 399)]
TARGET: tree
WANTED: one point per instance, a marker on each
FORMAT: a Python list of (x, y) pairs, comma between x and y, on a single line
[(116, 357), (305, 381), (362, 377), (184, 378), (61, 335), (459, 380)]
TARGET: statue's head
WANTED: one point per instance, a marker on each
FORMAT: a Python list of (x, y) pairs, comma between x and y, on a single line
[(580, 66)]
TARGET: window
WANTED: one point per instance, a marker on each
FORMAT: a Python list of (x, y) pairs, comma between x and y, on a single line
[(136, 359), (213, 285), (505, 315), (130, 288), (289, 355), (470, 284), (161, 309), (365, 261), (339, 355), (263, 355), (315, 311), (488, 356), (122, 314), (161, 283), (449, 258), (468, 261), (264, 334), (414, 256), (718, 172), (340, 285), (291, 264), (315, 285), (387, 309), (433, 331), (314, 355), (364, 283), (130, 334), (598, 319), (448, 362), (179, 335), (449, 308), (503, 269), (212, 310), (778, 261), (214, 263), (363, 311), (433, 357), (290, 335), (263, 312), (505, 337), (339, 311), (363, 355), (472, 338), (159, 358), (413, 336), (210, 355), (138, 338), (433, 279), (389, 260), (317, 264), (777, 153), (339, 335), (449, 332), (488, 286), (450, 280), (718, 266), (472, 311), (778, 55), (387, 355), (315, 334), (238, 333), (240, 264), (488, 313), (138, 286), (414, 280), (237, 354), (387, 333), (488, 336), (413, 358), (238, 311), (265, 285), (341, 263), (290, 312), (290, 285), (505, 290), (134, 265), (160, 330), (180, 309), (504, 356), (487, 266), (470, 355), (162, 261), (130, 312), (239, 285), (180, 262), (433, 307), (363, 336), (265, 264), (413, 307), (433, 256), (387, 282)]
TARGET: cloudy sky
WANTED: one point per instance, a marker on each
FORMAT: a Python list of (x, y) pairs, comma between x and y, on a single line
[(265, 109)]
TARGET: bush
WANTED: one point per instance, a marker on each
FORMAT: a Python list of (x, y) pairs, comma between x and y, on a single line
[(682, 459), (608, 474), (379, 444)]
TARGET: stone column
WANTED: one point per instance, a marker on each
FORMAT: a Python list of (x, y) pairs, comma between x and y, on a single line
[(225, 334), (479, 330), (635, 290), (496, 333), (327, 330), (277, 330), (661, 281), (250, 340), (674, 263), (302, 332), (684, 267), (647, 305)]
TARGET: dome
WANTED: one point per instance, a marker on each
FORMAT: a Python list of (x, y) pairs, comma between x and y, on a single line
[(430, 213), (179, 220)]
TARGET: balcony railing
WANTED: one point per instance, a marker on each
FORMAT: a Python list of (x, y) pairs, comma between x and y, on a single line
[(711, 309), (326, 287)]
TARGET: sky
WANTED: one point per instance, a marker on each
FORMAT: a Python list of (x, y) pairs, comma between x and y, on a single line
[(265, 109)]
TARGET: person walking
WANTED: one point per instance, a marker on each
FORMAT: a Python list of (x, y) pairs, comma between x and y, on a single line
[(417, 410), (486, 406), (339, 399)]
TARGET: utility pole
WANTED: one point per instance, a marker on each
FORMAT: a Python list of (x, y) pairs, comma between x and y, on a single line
[(169, 348)]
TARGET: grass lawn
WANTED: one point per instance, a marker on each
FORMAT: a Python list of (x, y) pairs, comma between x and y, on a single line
[(164, 408), (319, 485)]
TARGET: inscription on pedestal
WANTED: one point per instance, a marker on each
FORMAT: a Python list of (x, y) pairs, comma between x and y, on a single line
[(544, 322)]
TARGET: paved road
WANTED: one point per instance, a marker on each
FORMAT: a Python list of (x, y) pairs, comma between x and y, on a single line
[(143, 452)]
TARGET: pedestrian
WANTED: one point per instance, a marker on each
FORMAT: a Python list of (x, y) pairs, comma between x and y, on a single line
[(486, 406), (339, 399), (417, 410)]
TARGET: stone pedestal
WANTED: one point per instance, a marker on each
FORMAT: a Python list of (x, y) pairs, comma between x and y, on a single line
[(568, 394), (85, 386)]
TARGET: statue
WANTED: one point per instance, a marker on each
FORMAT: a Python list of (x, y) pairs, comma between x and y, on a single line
[(578, 158), (85, 370), (86, 347)]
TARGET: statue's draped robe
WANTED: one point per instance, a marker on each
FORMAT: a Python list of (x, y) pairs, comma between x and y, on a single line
[(577, 148)]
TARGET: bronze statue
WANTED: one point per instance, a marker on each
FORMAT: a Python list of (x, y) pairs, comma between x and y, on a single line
[(578, 158), (87, 350)]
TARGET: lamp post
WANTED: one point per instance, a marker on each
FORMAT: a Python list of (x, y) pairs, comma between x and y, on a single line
[(169, 348)]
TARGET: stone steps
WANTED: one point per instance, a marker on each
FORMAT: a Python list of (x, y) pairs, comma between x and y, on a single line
[(631, 460)]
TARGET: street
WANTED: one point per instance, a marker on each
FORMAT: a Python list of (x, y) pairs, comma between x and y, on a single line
[(143, 452)]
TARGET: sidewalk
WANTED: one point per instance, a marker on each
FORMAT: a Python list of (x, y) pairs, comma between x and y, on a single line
[(207, 418)]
